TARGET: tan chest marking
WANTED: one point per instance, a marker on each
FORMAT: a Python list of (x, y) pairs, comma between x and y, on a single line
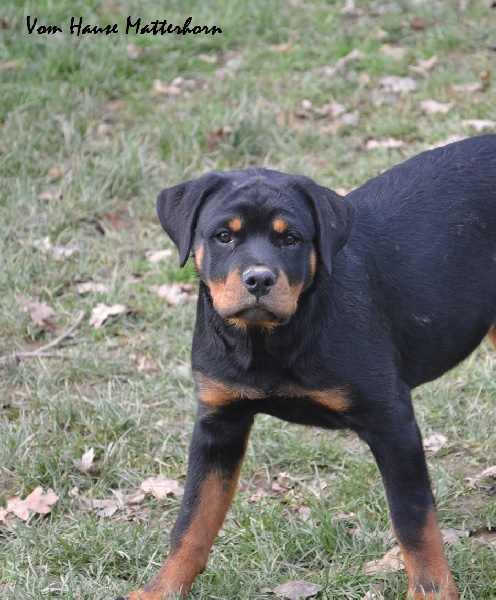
[(216, 394)]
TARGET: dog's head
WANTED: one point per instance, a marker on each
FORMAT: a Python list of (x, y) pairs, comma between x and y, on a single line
[(257, 236)]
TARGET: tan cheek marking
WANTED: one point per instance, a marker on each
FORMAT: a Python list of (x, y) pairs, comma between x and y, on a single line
[(216, 394), (229, 294), (279, 225), (426, 564), (313, 264), (492, 335), (235, 224), (285, 296), (335, 399), (199, 252)]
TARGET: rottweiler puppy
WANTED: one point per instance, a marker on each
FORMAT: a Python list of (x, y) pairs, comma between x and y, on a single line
[(327, 310)]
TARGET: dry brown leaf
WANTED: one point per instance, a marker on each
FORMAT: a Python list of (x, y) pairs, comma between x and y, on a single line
[(57, 171), (375, 592), (9, 65), (286, 47), (167, 89), (350, 9), (434, 443), (41, 314), (392, 561), (160, 487), (396, 52), (432, 107), (90, 286), (217, 136), (133, 51), (393, 84), (388, 143), (175, 294), (468, 88), (479, 124), (423, 66), (4, 517), (50, 193), (452, 138), (355, 54), (37, 502), (101, 312), (450, 535), (86, 462), (486, 536), (59, 253), (155, 256), (103, 507), (486, 474), (258, 495), (295, 590)]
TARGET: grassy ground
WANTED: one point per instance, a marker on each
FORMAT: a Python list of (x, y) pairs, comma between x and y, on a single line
[(92, 128)]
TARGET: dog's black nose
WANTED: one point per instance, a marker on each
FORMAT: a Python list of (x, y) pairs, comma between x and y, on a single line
[(259, 280)]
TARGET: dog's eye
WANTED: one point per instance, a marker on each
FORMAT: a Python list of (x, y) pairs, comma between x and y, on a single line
[(289, 239), (224, 237)]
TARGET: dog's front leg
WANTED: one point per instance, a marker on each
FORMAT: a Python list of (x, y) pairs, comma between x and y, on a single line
[(396, 443), (216, 454)]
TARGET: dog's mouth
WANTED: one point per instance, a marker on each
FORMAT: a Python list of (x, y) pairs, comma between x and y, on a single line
[(258, 316)]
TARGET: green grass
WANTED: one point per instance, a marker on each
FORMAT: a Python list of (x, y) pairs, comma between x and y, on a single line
[(85, 106)]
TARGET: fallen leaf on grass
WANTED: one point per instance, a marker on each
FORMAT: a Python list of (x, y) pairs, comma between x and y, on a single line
[(375, 592), (101, 312), (9, 65), (388, 143), (396, 52), (160, 487), (177, 87), (90, 286), (392, 561), (423, 66), (284, 48), (175, 294), (393, 84), (57, 171), (217, 136), (133, 52), (432, 107), (486, 474), (450, 535), (36, 502), (41, 314), (479, 124), (294, 590), (355, 54), (107, 507), (103, 508), (59, 253), (486, 536), (434, 443), (50, 193), (390, 87), (4, 517), (85, 464), (155, 256)]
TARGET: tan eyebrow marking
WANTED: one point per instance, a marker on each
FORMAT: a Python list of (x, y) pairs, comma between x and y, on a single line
[(235, 224), (279, 225)]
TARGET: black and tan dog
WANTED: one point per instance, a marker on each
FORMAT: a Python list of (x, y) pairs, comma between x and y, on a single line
[(327, 311)]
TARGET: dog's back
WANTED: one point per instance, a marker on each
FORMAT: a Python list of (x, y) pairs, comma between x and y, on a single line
[(432, 224)]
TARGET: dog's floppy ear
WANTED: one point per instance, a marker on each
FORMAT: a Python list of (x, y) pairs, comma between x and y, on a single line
[(334, 216), (178, 208)]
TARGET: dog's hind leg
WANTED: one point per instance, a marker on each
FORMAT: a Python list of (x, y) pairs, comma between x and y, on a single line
[(395, 441)]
